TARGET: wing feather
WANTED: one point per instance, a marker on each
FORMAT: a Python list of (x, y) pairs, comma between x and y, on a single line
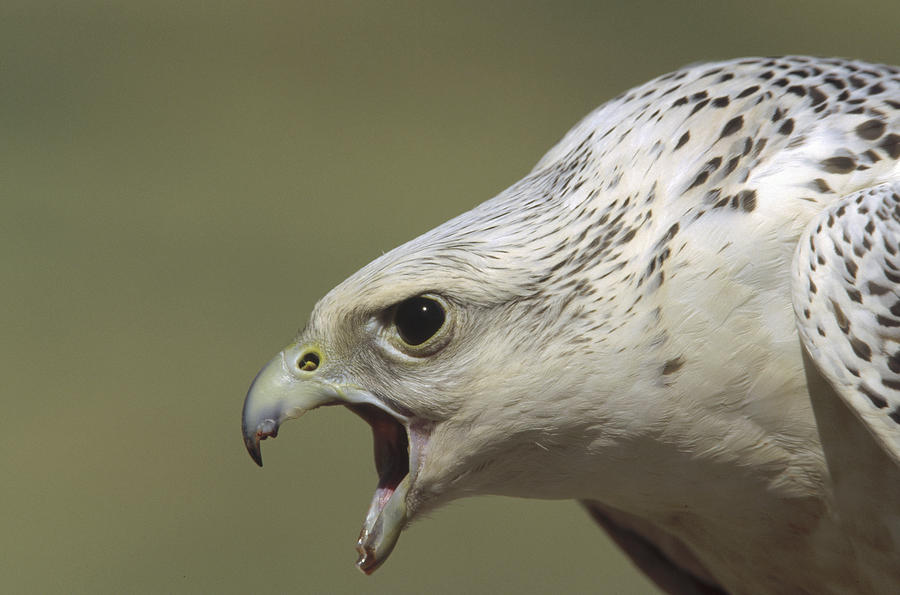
[(846, 288), (847, 301)]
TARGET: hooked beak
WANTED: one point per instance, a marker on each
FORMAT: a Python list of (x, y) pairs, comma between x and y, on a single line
[(279, 393), (284, 390)]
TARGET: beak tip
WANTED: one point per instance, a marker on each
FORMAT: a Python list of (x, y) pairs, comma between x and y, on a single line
[(252, 444), (268, 428), (366, 562)]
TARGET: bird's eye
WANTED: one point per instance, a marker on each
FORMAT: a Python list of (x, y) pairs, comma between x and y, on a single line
[(418, 319)]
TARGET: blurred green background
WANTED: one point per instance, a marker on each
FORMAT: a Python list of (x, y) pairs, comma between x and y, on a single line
[(181, 181)]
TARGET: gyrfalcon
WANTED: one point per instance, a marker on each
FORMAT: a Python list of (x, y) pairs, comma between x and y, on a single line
[(687, 317)]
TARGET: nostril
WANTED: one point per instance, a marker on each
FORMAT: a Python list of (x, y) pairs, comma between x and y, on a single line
[(309, 361)]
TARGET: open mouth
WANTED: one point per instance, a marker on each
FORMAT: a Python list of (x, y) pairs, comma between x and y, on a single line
[(392, 457), (391, 450)]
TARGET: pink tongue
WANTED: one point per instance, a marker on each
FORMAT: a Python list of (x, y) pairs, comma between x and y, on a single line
[(384, 522), (382, 495)]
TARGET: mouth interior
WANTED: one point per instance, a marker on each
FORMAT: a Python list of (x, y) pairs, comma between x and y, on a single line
[(391, 450)]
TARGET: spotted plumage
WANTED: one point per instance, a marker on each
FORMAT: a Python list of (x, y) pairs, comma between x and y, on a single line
[(621, 328), (846, 298)]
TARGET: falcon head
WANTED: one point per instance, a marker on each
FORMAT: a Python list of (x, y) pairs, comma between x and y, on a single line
[(457, 348)]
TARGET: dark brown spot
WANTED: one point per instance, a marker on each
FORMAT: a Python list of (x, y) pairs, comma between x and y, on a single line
[(891, 144), (684, 138), (821, 185), (872, 156), (672, 366), (895, 415), (870, 129), (887, 322), (731, 165), (699, 107), (816, 95), (876, 289), (861, 348), (701, 177), (876, 399), (838, 165), (760, 145), (839, 316), (732, 126), (671, 232), (787, 127), (748, 200)]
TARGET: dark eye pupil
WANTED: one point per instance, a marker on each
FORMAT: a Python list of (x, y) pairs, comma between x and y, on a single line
[(418, 319)]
